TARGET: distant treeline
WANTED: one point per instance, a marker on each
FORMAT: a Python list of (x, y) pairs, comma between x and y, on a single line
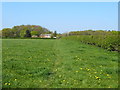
[(93, 32), (105, 39), (23, 31)]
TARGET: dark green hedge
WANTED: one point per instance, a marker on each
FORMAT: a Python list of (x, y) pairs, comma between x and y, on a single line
[(109, 42)]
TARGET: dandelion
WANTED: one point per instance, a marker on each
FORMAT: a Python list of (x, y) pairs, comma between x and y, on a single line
[(108, 75), (59, 75), (8, 83), (5, 83), (88, 69), (81, 68), (76, 71), (97, 77), (63, 80)]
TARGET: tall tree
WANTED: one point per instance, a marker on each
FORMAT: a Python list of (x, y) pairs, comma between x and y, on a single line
[(22, 33), (55, 34), (34, 33), (7, 32), (28, 34)]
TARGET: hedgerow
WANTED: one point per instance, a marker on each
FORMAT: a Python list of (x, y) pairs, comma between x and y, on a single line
[(106, 40)]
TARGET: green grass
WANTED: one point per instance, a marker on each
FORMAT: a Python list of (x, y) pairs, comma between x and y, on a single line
[(34, 63)]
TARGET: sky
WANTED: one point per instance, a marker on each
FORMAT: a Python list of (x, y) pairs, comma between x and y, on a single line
[(61, 16)]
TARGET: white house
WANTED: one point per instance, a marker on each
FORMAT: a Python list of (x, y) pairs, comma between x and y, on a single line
[(34, 36), (45, 36)]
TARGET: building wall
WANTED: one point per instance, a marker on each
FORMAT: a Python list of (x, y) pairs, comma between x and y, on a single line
[(45, 35)]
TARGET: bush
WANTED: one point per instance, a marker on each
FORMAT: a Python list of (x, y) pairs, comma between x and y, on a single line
[(107, 41)]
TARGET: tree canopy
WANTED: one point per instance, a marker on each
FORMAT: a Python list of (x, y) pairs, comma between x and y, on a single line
[(24, 31)]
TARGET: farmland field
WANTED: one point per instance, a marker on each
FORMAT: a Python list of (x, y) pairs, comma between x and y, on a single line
[(48, 63)]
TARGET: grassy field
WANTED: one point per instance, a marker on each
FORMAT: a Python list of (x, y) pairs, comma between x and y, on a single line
[(37, 63)]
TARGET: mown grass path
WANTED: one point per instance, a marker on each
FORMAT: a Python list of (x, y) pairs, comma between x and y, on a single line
[(34, 63)]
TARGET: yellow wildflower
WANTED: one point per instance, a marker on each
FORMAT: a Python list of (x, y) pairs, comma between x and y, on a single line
[(5, 83), (81, 68), (108, 75), (97, 77), (59, 75), (8, 83), (76, 71), (88, 69), (63, 80)]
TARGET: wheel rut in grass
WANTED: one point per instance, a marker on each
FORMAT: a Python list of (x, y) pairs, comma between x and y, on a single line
[(65, 54)]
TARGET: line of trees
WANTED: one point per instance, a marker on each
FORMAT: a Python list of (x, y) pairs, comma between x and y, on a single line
[(94, 32), (105, 39), (24, 31)]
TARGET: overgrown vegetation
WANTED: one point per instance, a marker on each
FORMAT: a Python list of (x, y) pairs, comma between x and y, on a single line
[(105, 39)]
